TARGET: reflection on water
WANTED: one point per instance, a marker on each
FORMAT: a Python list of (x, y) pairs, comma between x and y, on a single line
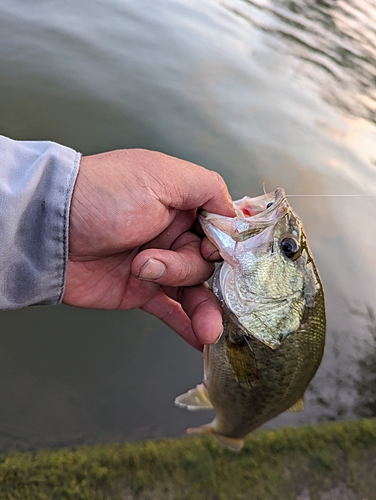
[(268, 92), (336, 401), (334, 43), (357, 385), (365, 405)]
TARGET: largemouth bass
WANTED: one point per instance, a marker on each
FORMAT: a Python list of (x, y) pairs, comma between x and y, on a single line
[(274, 319)]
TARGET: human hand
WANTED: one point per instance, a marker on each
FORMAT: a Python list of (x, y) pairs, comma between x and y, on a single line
[(131, 244)]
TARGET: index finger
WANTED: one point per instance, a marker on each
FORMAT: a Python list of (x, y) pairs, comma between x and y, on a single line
[(199, 187), (185, 186)]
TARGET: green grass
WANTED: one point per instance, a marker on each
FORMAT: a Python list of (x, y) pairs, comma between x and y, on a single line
[(276, 464)]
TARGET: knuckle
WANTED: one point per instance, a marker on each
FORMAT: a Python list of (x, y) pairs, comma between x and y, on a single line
[(219, 181)]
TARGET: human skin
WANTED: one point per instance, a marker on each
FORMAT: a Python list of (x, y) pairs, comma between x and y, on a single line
[(131, 242)]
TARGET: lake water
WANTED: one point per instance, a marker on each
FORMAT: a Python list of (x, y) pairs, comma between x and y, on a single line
[(266, 92)]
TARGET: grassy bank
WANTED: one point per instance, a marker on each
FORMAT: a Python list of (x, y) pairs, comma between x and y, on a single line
[(307, 463)]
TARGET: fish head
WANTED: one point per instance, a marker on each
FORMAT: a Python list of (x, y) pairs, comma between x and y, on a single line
[(268, 276)]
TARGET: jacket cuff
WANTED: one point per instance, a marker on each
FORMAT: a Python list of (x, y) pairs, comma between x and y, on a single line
[(36, 186)]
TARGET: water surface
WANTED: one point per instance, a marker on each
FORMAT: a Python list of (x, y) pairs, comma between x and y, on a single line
[(266, 92)]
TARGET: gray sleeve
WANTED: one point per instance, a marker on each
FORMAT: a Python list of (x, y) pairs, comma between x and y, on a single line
[(36, 185)]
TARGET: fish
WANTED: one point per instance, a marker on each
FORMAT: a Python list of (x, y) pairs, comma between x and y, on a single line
[(273, 319)]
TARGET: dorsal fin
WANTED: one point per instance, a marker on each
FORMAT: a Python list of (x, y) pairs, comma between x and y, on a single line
[(195, 399)]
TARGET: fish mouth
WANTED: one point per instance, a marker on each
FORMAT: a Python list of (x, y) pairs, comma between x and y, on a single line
[(253, 215), (264, 204)]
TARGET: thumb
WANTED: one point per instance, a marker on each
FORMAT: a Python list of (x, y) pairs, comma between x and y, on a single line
[(183, 266)]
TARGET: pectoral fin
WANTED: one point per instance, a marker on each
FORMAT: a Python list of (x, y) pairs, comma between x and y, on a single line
[(242, 361), (298, 406), (195, 399)]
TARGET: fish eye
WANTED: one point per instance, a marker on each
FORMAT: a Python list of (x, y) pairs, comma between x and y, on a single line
[(269, 204), (290, 248)]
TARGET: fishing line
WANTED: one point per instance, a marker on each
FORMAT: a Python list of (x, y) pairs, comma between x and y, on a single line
[(264, 189), (331, 195)]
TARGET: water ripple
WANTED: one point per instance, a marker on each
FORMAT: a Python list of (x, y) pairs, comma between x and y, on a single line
[(333, 42)]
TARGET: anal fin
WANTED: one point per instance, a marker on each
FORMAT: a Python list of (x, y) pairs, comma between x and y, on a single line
[(195, 399)]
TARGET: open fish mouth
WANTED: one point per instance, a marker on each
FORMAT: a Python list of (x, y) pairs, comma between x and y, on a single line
[(253, 215), (251, 207)]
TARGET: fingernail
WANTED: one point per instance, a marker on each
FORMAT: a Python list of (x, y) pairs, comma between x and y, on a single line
[(153, 269), (219, 336), (215, 255)]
